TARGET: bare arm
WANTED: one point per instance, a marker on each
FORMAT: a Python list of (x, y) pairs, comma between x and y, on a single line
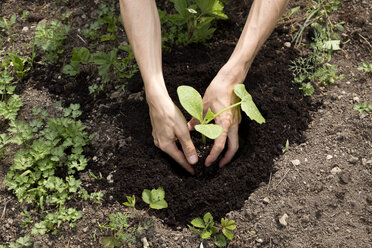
[(142, 26), (261, 21)]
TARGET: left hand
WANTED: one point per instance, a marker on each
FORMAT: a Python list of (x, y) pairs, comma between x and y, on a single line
[(218, 96)]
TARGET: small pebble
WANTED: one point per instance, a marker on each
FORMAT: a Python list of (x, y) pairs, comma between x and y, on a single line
[(110, 178), (353, 160), (356, 99), (287, 44), (283, 220), (329, 157), (348, 82), (145, 242), (25, 29), (335, 170), (296, 162), (266, 200)]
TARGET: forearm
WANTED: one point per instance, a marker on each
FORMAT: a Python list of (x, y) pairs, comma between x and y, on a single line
[(142, 26), (261, 21)]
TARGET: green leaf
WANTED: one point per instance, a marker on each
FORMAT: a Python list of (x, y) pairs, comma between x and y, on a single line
[(332, 45), (131, 201), (198, 222), (146, 196), (208, 218), (159, 204), (191, 101), (206, 234), (220, 241), (211, 131), (181, 7), (209, 116), (248, 106), (228, 233), (110, 242)]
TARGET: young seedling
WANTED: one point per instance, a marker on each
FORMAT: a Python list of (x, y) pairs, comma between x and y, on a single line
[(192, 102), (205, 228), (155, 198), (364, 106), (131, 201)]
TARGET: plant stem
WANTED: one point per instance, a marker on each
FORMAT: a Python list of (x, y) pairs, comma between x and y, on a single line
[(204, 139), (230, 107)]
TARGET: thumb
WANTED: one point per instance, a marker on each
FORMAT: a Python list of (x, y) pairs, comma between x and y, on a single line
[(191, 124)]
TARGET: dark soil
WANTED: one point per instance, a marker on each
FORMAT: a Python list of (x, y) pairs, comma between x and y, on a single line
[(325, 208)]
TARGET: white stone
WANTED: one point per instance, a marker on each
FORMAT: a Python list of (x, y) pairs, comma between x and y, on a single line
[(335, 170), (25, 29), (266, 200), (329, 157), (296, 162), (287, 44), (283, 220), (145, 242)]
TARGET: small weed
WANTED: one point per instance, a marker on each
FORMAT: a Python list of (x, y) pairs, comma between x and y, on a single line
[(205, 227), (49, 37), (193, 21), (27, 218), (25, 15), (21, 242), (286, 147), (365, 66), (6, 24), (364, 106), (192, 102), (131, 201), (53, 221)]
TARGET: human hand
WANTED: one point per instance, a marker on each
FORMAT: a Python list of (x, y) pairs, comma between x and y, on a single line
[(168, 126), (218, 96)]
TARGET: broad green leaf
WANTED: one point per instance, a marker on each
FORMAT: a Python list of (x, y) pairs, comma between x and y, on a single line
[(181, 7), (220, 241), (146, 196), (211, 131), (228, 233), (208, 218), (198, 222), (248, 106), (159, 204), (191, 101), (206, 234), (157, 194)]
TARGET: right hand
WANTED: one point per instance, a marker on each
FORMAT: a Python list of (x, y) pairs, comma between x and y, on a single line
[(168, 126)]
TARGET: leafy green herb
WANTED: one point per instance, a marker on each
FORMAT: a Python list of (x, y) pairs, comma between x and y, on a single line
[(50, 37), (364, 106), (155, 198), (192, 102), (53, 221)]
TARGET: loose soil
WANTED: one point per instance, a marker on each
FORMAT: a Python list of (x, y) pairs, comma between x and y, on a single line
[(327, 207)]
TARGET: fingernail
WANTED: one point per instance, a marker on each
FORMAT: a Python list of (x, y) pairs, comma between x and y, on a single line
[(193, 159)]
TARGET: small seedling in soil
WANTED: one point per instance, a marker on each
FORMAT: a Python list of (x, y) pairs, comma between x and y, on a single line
[(131, 201), (286, 147), (205, 228), (192, 102), (364, 106), (21, 242), (365, 66), (155, 198)]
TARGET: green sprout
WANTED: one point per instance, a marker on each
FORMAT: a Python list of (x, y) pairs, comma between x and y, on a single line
[(155, 198), (192, 102), (131, 201), (205, 228), (364, 106), (365, 66)]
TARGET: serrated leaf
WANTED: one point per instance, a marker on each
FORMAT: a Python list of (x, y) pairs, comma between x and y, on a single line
[(333, 45), (198, 222), (191, 101), (248, 106), (181, 7), (212, 131)]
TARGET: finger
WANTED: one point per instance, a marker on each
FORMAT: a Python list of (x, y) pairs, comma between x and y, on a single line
[(233, 145), (191, 124), (178, 156), (218, 146), (188, 147)]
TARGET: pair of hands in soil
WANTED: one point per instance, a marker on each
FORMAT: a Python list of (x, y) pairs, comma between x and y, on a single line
[(170, 126)]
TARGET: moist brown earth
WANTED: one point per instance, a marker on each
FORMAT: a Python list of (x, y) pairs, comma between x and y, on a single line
[(326, 207)]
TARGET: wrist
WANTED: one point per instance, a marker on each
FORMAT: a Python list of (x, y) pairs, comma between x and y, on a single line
[(156, 93), (235, 71)]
